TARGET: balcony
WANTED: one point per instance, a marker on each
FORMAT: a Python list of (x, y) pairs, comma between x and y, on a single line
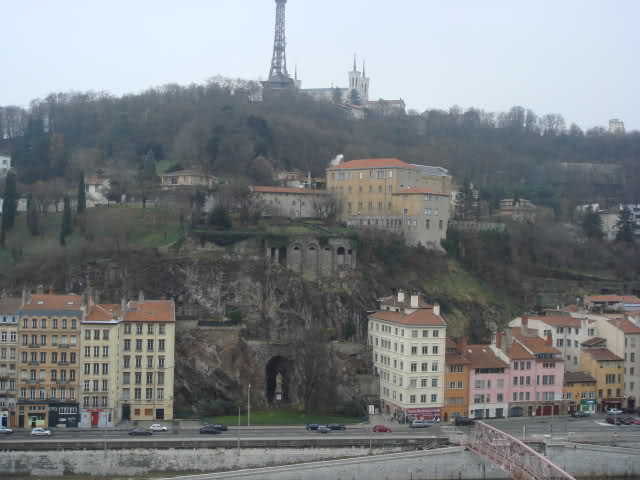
[(64, 345), (33, 345), (63, 363), (33, 363)]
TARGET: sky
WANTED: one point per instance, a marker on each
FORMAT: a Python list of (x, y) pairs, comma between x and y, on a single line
[(575, 57)]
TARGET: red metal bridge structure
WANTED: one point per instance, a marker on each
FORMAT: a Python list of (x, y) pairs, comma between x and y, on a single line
[(512, 455)]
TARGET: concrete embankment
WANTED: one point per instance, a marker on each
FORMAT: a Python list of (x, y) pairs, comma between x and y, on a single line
[(591, 461)]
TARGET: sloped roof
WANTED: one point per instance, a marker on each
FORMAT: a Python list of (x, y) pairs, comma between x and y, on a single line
[(614, 298), (10, 305), (517, 352), (392, 301), (481, 356), (53, 302), (432, 171), (103, 312), (151, 311), (296, 191), (559, 320), (594, 341), (420, 318), (625, 325), (602, 354), (535, 344), (373, 163), (578, 377), (187, 172), (420, 191)]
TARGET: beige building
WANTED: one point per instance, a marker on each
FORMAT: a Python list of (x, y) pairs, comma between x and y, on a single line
[(147, 363), (517, 209), (100, 333), (49, 346), (187, 178), (9, 318), (390, 194), (408, 338)]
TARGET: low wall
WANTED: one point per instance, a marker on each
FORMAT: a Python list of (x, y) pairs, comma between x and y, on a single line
[(594, 460)]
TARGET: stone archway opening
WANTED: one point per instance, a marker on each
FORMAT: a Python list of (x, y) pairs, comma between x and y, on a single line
[(278, 370)]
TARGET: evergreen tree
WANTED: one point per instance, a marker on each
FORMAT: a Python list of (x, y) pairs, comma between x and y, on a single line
[(625, 226), (219, 217), (592, 224), (67, 227), (10, 204), (33, 217), (466, 202), (82, 195)]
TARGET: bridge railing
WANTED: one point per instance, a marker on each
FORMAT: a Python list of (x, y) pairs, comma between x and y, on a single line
[(512, 455)]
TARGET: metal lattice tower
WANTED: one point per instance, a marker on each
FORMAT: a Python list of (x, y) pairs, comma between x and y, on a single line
[(278, 75)]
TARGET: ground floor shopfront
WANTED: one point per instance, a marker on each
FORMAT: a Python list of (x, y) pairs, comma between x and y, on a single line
[(535, 409), (97, 418), (489, 410), (7, 417), (404, 414), (46, 415)]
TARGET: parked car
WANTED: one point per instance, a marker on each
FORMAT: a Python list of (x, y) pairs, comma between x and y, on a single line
[(336, 426), (614, 420), (580, 414), (614, 411), (323, 429), (209, 429), (462, 421), (6, 430), (634, 420), (312, 426), (41, 432), (627, 421), (139, 431), (156, 427), (382, 429), (419, 424), (218, 426)]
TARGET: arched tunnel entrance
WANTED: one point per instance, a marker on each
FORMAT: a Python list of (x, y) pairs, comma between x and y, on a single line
[(278, 371)]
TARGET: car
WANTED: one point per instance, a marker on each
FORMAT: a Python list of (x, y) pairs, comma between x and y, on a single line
[(139, 431), (156, 427), (614, 420), (218, 426), (627, 421), (580, 414), (323, 429), (634, 421), (41, 432), (6, 430), (210, 430), (419, 424), (462, 421), (336, 426), (614, 411), (381, 429), (312, 426)]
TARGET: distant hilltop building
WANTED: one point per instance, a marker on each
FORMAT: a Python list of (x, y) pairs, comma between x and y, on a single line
[(616, 126), (5, 165)]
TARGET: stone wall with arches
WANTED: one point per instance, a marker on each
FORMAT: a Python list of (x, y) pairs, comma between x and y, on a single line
[(313, 257)]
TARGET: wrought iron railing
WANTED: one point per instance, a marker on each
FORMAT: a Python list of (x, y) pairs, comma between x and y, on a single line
[(512, 455)]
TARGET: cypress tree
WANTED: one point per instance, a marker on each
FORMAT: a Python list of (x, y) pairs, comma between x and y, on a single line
[(33, 217), (82, 195), (625, 226), (592, 224), (10, 203), (67, 228)]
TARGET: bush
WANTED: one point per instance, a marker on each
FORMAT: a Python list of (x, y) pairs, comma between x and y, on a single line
[(351, 409), (219, 217), (219, 407)]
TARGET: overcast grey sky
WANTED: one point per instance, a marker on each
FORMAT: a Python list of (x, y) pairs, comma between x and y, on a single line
[(575, 57)]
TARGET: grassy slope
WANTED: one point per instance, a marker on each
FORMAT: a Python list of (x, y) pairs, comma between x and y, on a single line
[(282, 417)]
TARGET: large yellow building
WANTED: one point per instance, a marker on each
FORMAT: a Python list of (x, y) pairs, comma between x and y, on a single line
[(49, 345), (607, 368), (390, 194)]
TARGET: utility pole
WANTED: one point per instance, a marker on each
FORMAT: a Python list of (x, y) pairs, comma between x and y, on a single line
[(249, 406)]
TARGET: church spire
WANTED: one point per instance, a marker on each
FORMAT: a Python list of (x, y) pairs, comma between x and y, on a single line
[(354, 62), (295, 75), (363, 69)]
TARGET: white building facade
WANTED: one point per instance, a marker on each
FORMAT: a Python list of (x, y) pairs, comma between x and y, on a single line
[(408, 340)]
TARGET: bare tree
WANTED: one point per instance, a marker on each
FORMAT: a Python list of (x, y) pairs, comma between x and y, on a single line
[(312, 365), (327, 208)]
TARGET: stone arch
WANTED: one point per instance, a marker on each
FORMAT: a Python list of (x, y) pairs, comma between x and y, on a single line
[(282, 255), (311, 255), (295, 257), (282, 365), (326, 261), (340, 256)]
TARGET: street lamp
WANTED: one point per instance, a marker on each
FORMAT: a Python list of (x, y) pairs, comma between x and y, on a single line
[(249, 406)]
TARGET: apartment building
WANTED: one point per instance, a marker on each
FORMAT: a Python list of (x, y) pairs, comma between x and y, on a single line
[(456, 380), (580, 392), (49, 347), (9, 319), (100, 338), (488, 387), (147, 363), (566, 332), (607, 368), (393, 195), (408, 339)]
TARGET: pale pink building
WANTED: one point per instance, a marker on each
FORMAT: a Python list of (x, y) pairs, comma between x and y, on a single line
[(488, 387)]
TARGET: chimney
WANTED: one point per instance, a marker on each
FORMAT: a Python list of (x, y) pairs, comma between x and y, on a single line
[(462, 343), (498, 340), (415, 301), (400, 296), (26, 297), (549, 341), (436, 309), (141, 296), (123, 306)]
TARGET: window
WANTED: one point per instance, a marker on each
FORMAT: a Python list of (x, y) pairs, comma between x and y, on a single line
[(434, 397), (425, 367), (161, 362), (515, 396), (127, 345), (500, 397), (149, 378), (150, 329), (139, 329), (434, 366), (414, 367), (149, 362), (87, 334), (96, 334), (150, 345), (64, 323), (414, 350), (126, 378), (161, 345), (436, 334), (138, 378), (96, 351), (138, 395), (434, 382), (633, 357), (434, 350), (559, 342), (105, 351), (149, 393), (127, 328), (138, 345), (515, 380)]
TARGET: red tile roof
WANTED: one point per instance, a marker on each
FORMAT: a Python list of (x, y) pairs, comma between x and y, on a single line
[(594, 341), (54, 302), (373, 163), (103, 312), (420, 191), (420, 318), (559, 320), (300, 191), (602, 354), (613, 298), (10, 305), (625, 325), (578, 377), (517, 352), (481, 356), (536, 344), (151, 311)]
